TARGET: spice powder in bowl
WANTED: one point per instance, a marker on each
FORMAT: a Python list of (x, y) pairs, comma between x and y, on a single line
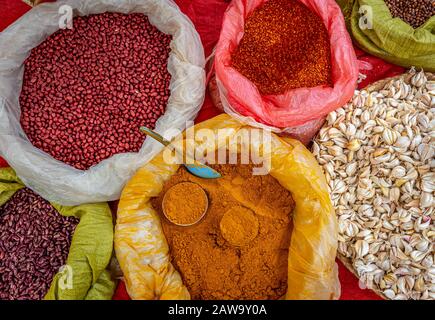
[(239, 249), (284, 46), (185, 203)]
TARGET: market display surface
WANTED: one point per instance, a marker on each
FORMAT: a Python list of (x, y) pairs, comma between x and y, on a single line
[(359, 185)]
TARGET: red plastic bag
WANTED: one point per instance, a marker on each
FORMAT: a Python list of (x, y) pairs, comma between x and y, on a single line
[(304, 133), (303, 106)]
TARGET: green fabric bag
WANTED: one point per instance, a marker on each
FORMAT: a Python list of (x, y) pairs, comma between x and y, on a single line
[(391, 39), (90, 251)]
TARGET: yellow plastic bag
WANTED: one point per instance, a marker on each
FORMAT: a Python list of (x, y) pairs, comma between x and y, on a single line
[(143, 253)]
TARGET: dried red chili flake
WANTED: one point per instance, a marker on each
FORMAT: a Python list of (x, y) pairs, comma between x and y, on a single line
[(86, 91), (285, 46)]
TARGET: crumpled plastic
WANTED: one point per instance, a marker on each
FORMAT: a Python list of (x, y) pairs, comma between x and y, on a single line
[(143, 252), (304, 133), (55, 180), (391, 39), (302, 106), (90, 251)]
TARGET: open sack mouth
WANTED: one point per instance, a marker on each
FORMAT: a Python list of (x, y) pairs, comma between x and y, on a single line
[(240, 245)]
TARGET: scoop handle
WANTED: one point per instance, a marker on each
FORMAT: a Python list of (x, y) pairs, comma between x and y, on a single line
[(155, 135)]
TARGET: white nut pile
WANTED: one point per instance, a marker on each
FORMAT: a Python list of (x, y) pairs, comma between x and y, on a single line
[(378, 156)]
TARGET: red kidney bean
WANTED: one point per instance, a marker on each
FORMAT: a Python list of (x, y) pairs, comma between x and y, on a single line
[(86, 91), (34, 244)]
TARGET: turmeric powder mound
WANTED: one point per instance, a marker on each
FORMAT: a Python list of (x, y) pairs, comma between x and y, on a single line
[(239, 226), (211, 261), (185, 203)]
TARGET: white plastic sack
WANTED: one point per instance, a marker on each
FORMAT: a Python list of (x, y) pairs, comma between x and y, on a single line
[(59, 182)]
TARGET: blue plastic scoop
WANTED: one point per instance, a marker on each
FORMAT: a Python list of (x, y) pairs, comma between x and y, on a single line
[(197, 169)]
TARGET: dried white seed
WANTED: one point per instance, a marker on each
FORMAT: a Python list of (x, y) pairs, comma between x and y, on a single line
[(378, 154)]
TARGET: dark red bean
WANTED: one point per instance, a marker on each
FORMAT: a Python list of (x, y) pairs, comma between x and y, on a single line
[(413, 12), (34, 244), (95, 85)]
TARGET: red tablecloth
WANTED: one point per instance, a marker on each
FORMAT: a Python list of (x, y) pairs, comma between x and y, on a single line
[(207, 16)]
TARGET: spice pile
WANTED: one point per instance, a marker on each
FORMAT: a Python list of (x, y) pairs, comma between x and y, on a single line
[(239, 250), (86, 91), (34, 244), (378, 158), (413, 12), (285, 46)]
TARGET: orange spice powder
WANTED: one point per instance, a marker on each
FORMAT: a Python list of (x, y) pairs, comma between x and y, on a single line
[(239, 250), (184, 203)]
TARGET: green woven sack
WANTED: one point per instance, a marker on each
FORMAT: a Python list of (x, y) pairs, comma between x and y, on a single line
[(90, 251), (390, 38)]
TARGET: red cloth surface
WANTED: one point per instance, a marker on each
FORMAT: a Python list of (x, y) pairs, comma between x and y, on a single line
[(349, 288), (3, 163), (207, 17)]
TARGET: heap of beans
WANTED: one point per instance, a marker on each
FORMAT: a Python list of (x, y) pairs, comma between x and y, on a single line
[(413, 12), (86, 91), (34, 244), (285, 46)]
